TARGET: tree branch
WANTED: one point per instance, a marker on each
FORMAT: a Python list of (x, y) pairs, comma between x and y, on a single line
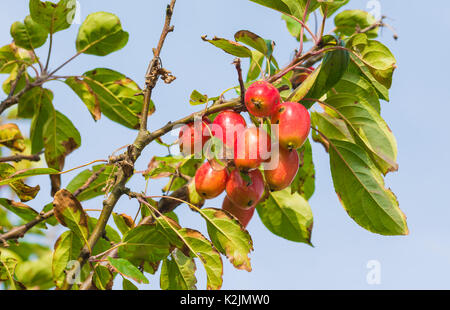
[(19, 157), (154, 68)]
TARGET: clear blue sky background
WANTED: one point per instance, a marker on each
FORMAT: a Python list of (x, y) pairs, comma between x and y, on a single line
[(417, 114)]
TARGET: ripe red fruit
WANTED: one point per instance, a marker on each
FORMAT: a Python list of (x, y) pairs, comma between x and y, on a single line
[(193, 137), (262, 98), (283, 175), (227, 126), (243, 215), (210, 183), (243, 193), (253, 147), (294, 124)]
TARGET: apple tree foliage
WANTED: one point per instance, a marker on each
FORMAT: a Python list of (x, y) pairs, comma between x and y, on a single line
[(348, 88)]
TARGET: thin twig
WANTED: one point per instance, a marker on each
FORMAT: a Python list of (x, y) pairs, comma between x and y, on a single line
[(153, 70), (237, 63)]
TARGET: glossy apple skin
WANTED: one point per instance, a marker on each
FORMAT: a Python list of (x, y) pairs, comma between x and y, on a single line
[(231, 125), (192, 136), (242, 194), (285, 172), (294, 124), (210, 183), (262, 98), (243, 215), (253, 147)]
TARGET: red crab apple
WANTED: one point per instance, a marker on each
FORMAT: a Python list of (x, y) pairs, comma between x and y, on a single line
[(243, 215), (285, 171), (243, 193), (210, 182), (294, 124), (227, 126), (253, 147), (262, 98), (193, 136)]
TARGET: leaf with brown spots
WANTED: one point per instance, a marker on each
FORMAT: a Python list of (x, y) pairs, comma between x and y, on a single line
[(22, 210), (229, 237), (23, 191), (11, 137), (70, 213), (304, 181)]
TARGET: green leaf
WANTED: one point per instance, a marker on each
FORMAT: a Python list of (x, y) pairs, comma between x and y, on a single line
[(70, 213), (11, 137), (362, 192), (41, 99), (145, 243), (358, 67), (229, 237), (331, 127), (368, 128), (111, 93), (256, 63), (178, 273), (29, 34), (230, 47), (123, 222), (23, 191), (304, 181), (379, 59), (103, 278), (60, 139), (207, 254), (197, 98), (67, 248), (332, 6), (304, 88), (53, 17), (27, 173), (252, 40), (293, 26), (287, 215), (94, 189), (357, 85), (8, 263), (348, 22), (128, 286), (24, 211), (101, 34), (127, 269), (333, 67), (274, 4), (36, 274)]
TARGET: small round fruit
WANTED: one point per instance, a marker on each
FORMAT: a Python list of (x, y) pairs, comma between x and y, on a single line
[(242, 193), (227, 126), (193, 137), (253, 147), (243, 215), (294, 124), (285, 172), (262, 98), (210, 183)]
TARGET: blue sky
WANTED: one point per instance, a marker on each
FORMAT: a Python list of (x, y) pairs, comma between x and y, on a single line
[(417, 114)]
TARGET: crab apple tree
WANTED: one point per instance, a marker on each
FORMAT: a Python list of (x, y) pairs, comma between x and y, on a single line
[(330, 91)]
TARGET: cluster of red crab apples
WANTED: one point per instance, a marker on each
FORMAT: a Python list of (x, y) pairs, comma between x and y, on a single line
[(247, 149)]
